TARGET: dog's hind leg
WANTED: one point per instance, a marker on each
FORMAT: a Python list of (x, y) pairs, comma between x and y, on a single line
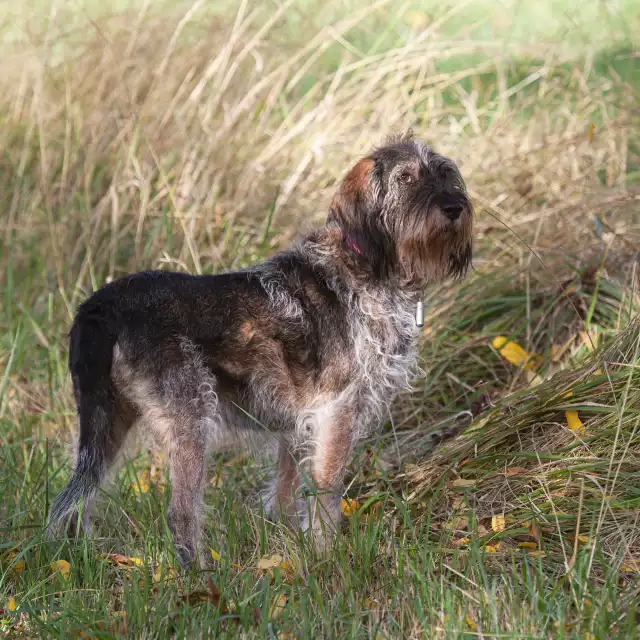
[(186, 457)]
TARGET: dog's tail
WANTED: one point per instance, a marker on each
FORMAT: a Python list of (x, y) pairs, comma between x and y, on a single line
[(90, 359)]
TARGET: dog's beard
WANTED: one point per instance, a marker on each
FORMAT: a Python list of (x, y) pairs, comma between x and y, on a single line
[(432, 247)]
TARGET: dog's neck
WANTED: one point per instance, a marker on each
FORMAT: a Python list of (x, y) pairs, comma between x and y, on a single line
[(352, 275)]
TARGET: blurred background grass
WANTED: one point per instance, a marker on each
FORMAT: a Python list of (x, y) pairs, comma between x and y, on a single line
[(204, 136)]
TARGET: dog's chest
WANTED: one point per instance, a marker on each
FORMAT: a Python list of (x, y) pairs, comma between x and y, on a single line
[(384, 345)]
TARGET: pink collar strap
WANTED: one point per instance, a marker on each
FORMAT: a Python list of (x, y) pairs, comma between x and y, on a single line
[(353, 245)]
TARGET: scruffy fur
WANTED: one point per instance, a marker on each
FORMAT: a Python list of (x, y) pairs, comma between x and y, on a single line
[(308, 348)]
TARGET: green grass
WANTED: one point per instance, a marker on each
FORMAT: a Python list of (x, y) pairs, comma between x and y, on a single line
[(141, 140)]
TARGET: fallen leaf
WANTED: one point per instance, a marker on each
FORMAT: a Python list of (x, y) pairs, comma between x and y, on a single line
[(491, 548), (270, 561), (123, 561), (11, 605), (537, 554), (631, 566), (142, 483), (277, 606), (349, 506), (469, 620), (462, 482), (460, 542), (535, 531), (218, 558), (512, 352), (166, 572), (497, 523), (514, 471), (62, 567), (18, 565), (527, 545), (589, 339), (573, 420), (583, 539), (211, 595)]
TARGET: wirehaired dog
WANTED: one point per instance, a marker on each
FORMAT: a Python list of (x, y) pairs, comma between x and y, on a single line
[(309, 347)]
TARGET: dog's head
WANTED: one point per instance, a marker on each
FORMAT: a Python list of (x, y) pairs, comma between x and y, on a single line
[(404, 212)]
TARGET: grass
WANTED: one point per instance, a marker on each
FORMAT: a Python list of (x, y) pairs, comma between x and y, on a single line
[(203, 137)]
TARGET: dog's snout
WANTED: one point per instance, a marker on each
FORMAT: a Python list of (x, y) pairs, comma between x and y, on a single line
[(452, 210)]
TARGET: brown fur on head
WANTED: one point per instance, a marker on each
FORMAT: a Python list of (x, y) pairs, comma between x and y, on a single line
[(404, 210)]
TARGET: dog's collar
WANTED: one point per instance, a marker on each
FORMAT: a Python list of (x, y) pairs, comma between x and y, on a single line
[(351, 243)]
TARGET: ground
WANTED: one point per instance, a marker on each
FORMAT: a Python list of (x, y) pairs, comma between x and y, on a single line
[(204, 136)]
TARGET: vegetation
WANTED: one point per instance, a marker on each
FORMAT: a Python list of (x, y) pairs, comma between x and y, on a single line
[(204, 136)]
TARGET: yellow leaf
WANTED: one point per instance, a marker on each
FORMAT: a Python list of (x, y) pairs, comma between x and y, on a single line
[(460, 542), (491, 548), (142, 482), (62, 567), (497, 523), (18, 565), (277, 606), (537, 554), (583, 539), (573, 420), (469, 620), (167, 572), (349, 506), (527, 545), (218, 558), (270, 562), (462, 482), (512, 352), (631, 566), (11, 605), (123, 561)]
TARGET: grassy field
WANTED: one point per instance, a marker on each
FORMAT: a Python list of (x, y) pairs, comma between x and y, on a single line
[(204, 136)]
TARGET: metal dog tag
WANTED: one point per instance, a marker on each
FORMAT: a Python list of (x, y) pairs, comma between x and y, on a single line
[(419, 314)]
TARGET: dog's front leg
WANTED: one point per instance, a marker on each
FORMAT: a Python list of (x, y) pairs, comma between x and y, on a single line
[(333, 440)]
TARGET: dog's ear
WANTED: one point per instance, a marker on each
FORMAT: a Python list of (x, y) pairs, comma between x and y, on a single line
[(356, 210), (354, 198)]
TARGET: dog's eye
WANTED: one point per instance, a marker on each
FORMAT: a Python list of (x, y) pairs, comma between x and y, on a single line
[(405, 178)]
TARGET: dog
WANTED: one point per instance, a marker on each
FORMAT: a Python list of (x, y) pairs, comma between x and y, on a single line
[(308, 348)]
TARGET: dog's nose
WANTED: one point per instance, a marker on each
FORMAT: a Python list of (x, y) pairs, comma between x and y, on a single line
[(452, 211)]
